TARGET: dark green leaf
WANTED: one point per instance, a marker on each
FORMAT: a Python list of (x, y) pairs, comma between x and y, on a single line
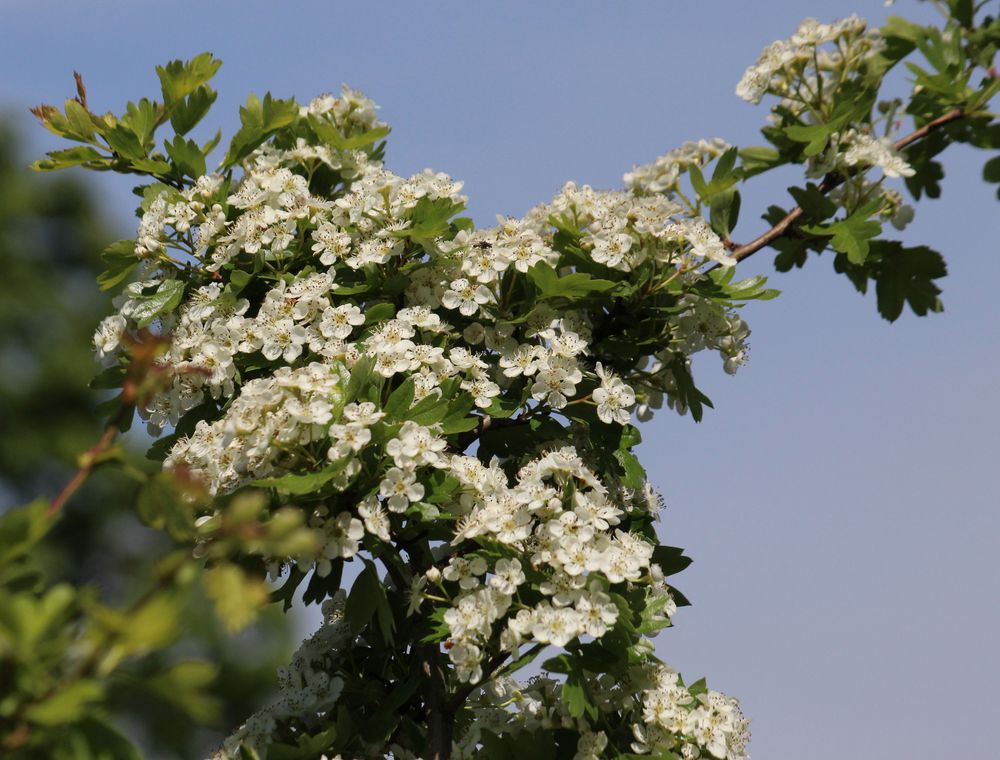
[(725, 211), (399, 400), (671, 559), (164, 300), (364, 599), (815, 204)]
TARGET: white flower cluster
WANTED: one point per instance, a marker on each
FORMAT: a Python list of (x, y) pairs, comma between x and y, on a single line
[(805, 72), (305, 686), (622, 229), (815, 52), (265, 429), (696, 723), (275, 290), (304, 316), (664, 174), (352, 110), (709, 721), (863, 150), (558, 515), (703, 325)]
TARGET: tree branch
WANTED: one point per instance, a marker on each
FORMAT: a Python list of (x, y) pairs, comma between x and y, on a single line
[(92, 456), (833, 180), (440, 719)]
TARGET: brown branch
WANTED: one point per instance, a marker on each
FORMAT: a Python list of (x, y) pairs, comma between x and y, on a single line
[(833, 180), (141, 377), (92, 456), (81, 90), (440, 719)]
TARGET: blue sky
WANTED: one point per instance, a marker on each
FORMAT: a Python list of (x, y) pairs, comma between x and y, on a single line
[(841, 501)]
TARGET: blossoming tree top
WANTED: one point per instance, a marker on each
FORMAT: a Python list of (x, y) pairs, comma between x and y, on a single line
[(345, 372)]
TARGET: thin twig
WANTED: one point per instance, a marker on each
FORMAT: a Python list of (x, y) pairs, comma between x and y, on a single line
[(90, 458), (834, 180)]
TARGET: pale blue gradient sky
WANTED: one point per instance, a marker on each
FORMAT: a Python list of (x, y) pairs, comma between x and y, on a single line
[(841, 502)]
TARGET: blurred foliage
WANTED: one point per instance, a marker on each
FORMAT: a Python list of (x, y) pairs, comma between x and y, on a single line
[(97, 553)]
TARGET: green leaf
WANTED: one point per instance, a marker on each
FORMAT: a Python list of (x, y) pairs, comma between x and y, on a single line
[(185, 114), (303, 484), (430, 219), (360, 374), (572, 287), (815, 204), (187, 156), (379, 312), (161, 505), (815, 136), (186, 685), (286, 593), (164, 300), (561, 663), (332, 136), (322, 586), (851, 235), (22, 528), (758, 159), (430, 410), (141, 118), (635, 475), (963, 11), (991, 170), (366, 595), (698, 181), (78, 121), (120, 260), (81, 155), (124, 143), (399, 400), (239, 280), (724, 166), (381, 724), (67, 704), (671, 559), (307, 747), (103, 742), (238, 597), (906, 275), (575, 697), (724, 211), (260, 119), (178, 79), (151, 166)]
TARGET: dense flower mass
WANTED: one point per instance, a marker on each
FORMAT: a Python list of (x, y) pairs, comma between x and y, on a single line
[(815, 55), (352, 386), (805, 73), (336, 335)]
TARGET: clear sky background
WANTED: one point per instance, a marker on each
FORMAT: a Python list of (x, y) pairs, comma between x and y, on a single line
[(841, 502)]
